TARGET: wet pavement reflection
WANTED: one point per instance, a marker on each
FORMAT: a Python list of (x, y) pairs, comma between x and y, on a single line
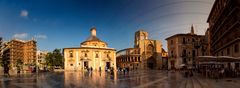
[(72, 79), (95, 79)]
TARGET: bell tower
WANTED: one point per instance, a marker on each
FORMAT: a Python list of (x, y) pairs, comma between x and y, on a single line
[(140, 35), (192, 30)]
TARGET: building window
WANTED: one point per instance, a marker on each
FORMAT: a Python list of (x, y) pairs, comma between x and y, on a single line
[(228, 51), (150, 49), (184, 40), (107, 55), (71, 64), (171, 42), (236, 48), (96, 55), (85, 55), (184, 53), (78, 63), (193, 53), (193, 40), (71, 54)]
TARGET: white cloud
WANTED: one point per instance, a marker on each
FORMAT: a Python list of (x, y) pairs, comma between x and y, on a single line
[(20, 35), (40, 36), (24, 13), (27, 36)]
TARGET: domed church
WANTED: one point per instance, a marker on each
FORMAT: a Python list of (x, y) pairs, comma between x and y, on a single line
[(92, 53)]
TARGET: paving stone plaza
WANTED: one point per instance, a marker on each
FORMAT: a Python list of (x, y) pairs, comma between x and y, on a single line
[(134, 79)]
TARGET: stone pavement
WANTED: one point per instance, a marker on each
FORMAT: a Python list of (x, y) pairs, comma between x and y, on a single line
[(134, 79)]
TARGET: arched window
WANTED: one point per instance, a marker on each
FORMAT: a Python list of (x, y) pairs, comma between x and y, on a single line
[(71, 53), (150, 49), (184, 40), (96, 55), (107, 55)]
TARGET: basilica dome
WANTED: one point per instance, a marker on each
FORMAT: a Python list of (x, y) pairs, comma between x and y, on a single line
[(93, 40)]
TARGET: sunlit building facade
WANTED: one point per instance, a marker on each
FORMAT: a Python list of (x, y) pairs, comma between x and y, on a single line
[(92, 53), (146, 54), (183, 49), (130, 58), (23, 50), (41, 62)]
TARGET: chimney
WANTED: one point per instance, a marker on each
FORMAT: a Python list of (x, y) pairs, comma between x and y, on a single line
[(93, 31)]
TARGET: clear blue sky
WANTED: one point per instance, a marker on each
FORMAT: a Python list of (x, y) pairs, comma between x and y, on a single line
[(66, 23)]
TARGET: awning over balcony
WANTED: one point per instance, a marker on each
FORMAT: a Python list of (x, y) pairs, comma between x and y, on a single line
[(214, 59)]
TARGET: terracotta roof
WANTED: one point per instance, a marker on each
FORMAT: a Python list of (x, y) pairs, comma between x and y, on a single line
[(89, 48), (93, 38), (184, 35)]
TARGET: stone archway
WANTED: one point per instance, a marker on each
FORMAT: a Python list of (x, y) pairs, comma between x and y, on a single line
[(151, 63)]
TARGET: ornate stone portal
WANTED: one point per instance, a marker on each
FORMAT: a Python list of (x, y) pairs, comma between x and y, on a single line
[(92, 53)]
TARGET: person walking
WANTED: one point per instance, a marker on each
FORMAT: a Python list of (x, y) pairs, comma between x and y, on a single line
[(222, 73), (91, 69), (6, 71), (124, 70), (191, 73), (18, 70)]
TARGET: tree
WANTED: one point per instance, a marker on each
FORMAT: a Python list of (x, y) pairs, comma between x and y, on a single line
[(54, 58), (19, 62), (5, 62), (19, 65), (58, 57)]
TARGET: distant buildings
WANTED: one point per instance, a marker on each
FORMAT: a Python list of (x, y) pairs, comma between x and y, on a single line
[(146, 54), (184, 48), (164, 59), (92, 53), (130, 58), (224, 28), (41, 55)]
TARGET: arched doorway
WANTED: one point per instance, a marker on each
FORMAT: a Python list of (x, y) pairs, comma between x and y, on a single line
[(151, 63), (108, 65), (85, 64)]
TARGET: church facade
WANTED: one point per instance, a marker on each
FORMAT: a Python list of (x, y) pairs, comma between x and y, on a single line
[(146, 54), (92, 53)]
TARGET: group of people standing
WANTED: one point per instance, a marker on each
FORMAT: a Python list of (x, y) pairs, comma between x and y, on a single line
[(124, 70)]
